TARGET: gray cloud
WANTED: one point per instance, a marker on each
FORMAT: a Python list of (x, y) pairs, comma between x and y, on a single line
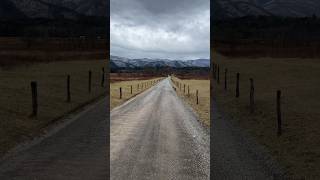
[(160, 29)]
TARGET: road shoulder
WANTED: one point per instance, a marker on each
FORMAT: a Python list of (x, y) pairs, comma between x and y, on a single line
[(54, 127), (239, 152)]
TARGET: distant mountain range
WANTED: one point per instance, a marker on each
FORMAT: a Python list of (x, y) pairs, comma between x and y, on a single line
[(220, 8), (236, 8), (11, 9), (117, 62)]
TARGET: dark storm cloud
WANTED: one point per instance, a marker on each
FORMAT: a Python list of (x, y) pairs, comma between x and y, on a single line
[(160, 29)]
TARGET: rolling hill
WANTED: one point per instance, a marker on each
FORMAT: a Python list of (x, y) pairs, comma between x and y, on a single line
[(52, 8), (8, 9), (236, 8), (53, 18)]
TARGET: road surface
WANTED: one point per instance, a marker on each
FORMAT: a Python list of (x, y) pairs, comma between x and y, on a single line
[(76, 151), (153, 136), (157, 136), (235, 155)]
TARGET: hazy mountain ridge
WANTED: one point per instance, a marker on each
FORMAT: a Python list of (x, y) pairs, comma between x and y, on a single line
[(8, 9), (122, 62), (237, 8), (52, 8)]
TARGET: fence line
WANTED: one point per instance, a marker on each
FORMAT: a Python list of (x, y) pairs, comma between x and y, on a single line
[(215, 72), (141, 86), (178, 84), (34, 90)]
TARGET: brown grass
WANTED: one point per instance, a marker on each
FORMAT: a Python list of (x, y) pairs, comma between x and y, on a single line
[(116, 77), (298, 148), (203, 87), (267, 48), (25, 51), (126, 89), (15, 99)]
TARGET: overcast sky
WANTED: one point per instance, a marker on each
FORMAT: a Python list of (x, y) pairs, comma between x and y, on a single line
[(170, 29)]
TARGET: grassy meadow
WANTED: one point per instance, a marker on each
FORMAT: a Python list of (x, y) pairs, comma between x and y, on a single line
[(126, 88), (16, 125), (298, 148), (203, 87), (15, 51)]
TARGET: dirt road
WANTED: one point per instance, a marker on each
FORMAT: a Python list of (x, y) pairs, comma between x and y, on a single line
[(157, 136), (74, 150)]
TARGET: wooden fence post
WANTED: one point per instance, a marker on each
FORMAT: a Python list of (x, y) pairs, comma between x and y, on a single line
[(251, 95), (34, 92), (197, 94), (214, 71), (237, 88), (131, 89), (279, 113), (225, 79), (188, 90), (89, 83), (184, 88), (218, 76), (68, 89), (102, 78), (120, 91)]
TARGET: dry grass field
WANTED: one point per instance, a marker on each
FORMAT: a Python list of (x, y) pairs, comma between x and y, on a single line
[(131, 76), (19, 50), (16, 125), (298, 149), (203, 87), (144, 84)]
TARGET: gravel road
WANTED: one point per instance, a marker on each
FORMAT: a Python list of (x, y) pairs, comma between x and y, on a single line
[(152, 136), (235, 155), (76, 150), (157, 136)]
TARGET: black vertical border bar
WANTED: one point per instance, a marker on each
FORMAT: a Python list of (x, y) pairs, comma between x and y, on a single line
[(108, 89)]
